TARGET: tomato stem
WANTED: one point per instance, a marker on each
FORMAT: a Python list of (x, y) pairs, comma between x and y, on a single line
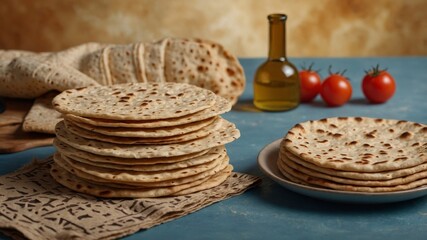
[(310, 68), (375, 71), (336, 73)]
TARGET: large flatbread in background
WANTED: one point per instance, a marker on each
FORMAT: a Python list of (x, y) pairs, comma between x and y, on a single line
[(154, 61), (116, 64), (199, 62), (30, 75), (205, 64), (35, 75)]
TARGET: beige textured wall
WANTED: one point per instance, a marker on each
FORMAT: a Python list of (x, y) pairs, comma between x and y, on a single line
[(315, 27)]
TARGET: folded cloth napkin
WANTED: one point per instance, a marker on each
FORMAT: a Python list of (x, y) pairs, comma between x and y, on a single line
[(34, 206)]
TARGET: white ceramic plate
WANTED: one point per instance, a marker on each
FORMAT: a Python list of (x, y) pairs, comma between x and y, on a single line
[(267, 162)]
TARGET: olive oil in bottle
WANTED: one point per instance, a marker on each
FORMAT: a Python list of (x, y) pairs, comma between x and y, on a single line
[(276, 83)]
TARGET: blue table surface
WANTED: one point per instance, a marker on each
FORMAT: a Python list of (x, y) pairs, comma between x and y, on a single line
[(272, 212)]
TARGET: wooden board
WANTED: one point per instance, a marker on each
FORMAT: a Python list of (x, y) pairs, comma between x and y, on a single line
[(12, 138)]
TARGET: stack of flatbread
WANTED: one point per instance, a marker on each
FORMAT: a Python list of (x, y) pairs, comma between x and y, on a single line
[(356, 154), (142, 140)]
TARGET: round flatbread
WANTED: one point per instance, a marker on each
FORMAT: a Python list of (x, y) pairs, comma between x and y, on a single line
[(75, 183), (59, 160), (359, 144), (310, 180), (135, 101), (212, 182), (384, 175), (68, 150), (227, 133), (132, 176), (130, 134), (356, 182), (212, 154), (221, 106)]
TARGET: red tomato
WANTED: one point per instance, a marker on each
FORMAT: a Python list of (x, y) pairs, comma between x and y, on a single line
[(336, 90), (310, 85), (378, 86)]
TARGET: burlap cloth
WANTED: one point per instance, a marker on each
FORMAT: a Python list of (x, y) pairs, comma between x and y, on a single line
[(34, 206)]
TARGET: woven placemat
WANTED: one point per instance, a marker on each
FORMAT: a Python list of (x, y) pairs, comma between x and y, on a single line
[(34, 206)]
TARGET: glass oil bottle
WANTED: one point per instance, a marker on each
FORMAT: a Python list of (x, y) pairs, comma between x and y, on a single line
[(276, 83)]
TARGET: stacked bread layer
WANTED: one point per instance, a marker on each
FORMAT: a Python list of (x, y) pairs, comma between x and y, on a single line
[(142, 140), (356, 154)]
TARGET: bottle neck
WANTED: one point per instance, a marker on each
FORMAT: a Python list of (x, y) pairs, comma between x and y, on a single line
[(277, 37)]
